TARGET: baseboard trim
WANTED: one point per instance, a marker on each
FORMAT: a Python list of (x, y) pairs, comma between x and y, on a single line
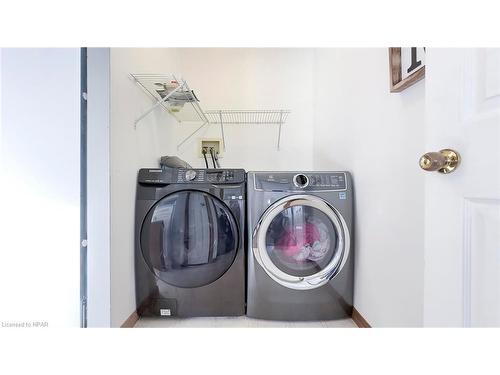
[(130, 321), (359, 320)]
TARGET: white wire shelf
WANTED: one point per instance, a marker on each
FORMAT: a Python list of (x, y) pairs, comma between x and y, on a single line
[(175, 96), (246, 117), (229, 116), (241, 117)]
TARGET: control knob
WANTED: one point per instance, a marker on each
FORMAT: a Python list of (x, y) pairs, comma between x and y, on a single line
[(300, 180), (190, 175)]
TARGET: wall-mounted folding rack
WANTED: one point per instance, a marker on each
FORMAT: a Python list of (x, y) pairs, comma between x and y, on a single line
[(173, 95)]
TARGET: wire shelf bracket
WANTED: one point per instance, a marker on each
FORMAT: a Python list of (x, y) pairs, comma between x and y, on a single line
[(170, 93)]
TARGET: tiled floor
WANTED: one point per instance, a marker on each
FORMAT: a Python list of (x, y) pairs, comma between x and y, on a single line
[(237, 322)]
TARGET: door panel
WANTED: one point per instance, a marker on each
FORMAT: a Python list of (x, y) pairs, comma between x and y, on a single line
[(482, 263), (462, 217)]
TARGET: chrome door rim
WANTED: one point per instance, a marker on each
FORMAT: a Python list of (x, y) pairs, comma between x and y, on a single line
[(301, 282)]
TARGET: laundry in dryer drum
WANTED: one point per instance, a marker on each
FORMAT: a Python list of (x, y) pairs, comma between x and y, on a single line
[(293, 242), (300, 236)]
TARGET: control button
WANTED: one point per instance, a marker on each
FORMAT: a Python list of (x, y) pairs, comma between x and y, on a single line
[(190, 175), (300, 180)]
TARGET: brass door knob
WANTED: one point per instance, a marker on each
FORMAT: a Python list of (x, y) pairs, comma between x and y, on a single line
[(444, 161)]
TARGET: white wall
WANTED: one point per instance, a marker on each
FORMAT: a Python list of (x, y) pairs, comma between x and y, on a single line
[(40, 186), (250, 78), (378, 136)]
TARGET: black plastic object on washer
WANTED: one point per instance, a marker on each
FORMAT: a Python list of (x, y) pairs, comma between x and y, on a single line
[(173, 162)]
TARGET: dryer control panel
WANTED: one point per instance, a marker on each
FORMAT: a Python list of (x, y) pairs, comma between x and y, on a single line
[(300, 181), (191, 176)]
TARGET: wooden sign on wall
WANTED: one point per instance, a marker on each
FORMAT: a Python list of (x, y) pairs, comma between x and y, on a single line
[(407, 66)]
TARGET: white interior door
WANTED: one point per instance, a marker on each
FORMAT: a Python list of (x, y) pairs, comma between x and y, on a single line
[(462, 220)]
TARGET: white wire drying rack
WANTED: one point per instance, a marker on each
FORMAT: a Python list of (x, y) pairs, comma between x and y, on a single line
[(176, 96), (179, 93)]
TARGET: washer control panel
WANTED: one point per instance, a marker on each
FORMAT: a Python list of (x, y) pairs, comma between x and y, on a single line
[(300, 181)]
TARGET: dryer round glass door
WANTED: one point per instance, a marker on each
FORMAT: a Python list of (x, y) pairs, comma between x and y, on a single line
[(189, 239), (301, 242)]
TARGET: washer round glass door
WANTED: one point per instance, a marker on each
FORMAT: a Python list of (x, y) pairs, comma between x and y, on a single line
[(301, 241), (189, 239)]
